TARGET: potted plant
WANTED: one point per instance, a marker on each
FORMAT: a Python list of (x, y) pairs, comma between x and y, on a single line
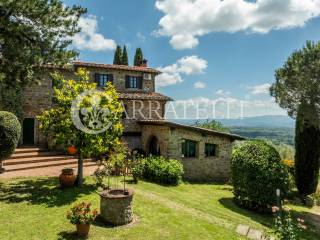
[(82, 216), (67, 177)]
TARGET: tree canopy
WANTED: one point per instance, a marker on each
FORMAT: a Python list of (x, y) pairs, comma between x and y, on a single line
[(117, 58), (299, 79), (213, 125), (138, 57), (124, 60), (32, 33), (97, 110)]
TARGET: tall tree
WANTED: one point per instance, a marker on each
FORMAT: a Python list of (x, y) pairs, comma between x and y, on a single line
[(297, 89), (117, 58), (138, 57), (307, 156), (94, 127), (125, 60), (33, 33)]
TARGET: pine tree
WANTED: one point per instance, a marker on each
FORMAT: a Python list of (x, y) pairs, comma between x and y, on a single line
[(117, 56), (124, 60), (307, 141), (138, 57)]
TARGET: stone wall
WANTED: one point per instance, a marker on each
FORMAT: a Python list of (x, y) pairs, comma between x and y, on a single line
[(200, 168), (119, 77)]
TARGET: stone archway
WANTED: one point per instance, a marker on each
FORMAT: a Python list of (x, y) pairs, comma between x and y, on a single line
[(154, 146)]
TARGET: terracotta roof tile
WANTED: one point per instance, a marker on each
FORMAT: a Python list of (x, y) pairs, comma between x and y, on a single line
[(192, 128), (143, 96), (119, 67)]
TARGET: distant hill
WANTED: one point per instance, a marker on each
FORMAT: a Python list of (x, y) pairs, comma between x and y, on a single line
[(278, 129), (268, 121)]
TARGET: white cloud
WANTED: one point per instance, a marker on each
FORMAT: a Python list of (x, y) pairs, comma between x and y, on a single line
[(221, 92), (199, 85), (184, 66), (221, 107), (260, 89), (89, 38), (185, 20)]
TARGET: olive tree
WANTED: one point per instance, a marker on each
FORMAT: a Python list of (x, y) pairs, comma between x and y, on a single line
[(297, 89), (83, 116)]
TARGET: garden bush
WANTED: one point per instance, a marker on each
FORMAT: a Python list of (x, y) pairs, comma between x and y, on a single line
[(257, 172), (10, 130), (163, 171)]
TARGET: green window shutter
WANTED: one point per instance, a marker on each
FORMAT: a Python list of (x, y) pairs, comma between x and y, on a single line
[(110, 78), (139, 82), (127, 80), (96, 78)]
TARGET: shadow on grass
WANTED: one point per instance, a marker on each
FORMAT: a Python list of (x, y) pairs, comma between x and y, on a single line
[(41, 191), (263, 219), (65, 235)]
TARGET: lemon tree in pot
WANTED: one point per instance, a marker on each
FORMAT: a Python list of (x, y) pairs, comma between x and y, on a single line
[(82, 216)]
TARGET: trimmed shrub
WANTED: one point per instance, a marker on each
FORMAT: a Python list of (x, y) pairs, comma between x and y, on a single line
[(10, 130), (257, 172), (163, 171)]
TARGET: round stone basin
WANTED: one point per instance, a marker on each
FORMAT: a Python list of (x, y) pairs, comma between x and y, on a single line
[(116, 206)]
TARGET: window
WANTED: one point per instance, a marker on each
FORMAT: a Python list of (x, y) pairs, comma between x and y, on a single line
[(133, 82), (210, 150), (103, 79), (189, 148)]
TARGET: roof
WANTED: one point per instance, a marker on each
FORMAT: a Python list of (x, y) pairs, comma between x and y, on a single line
[(140, 95), (233, 137), (117, 67)]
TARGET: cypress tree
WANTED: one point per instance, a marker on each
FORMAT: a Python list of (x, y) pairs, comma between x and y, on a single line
[(138, 57), (124, 60), (117, 56), (307, 141)]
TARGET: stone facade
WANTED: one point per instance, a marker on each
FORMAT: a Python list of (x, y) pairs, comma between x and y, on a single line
[(170, 137), (144, 126)]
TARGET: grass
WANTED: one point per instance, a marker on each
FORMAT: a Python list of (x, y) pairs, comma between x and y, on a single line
[(34, 208)]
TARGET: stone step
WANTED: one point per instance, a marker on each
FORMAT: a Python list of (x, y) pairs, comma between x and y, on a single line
[(37, 165), (36, 159), (33, 154), (29, 149)]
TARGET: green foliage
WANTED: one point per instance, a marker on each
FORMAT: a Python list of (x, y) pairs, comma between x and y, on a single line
[(10, 131), (307, 152), (32, 33), (257, 172), (285, 227), (213, 125), (117, 58), (82, 214), (57, 122), (163, 171), (276, 135), (124, 59), (138, 57), (298, 80), (10, 99)]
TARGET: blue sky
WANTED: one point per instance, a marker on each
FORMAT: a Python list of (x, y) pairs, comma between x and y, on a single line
[(226, 50)]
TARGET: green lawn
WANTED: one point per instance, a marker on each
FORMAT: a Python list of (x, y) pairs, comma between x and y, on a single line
[(34, 208)]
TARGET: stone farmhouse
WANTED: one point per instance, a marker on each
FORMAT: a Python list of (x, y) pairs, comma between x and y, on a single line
[(204, 153)]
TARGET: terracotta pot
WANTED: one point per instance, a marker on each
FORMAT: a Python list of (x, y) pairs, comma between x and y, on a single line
[(72, 150), (67, 178), (83, 229)]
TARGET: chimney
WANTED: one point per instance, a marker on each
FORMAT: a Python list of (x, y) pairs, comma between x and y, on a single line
[(144, 63)]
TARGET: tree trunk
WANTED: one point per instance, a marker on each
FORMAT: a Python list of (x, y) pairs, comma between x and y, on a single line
[(80, 169)]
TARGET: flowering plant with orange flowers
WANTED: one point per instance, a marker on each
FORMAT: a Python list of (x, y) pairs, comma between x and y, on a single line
[(286, 228), (82, 214)]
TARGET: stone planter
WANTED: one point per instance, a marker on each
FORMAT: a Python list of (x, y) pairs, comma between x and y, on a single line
[(116, 206)]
